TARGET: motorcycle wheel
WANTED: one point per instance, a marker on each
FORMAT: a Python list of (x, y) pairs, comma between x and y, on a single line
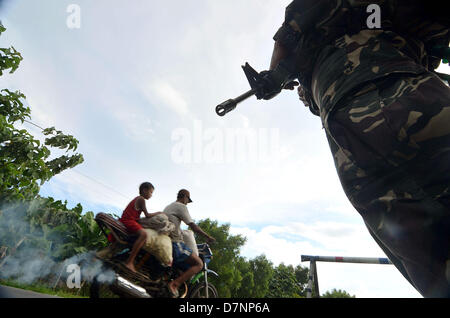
[(199, 291)]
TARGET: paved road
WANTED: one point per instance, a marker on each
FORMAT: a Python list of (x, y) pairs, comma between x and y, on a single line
[(11, 292)]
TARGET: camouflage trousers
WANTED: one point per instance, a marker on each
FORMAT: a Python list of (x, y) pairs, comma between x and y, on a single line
[(390, 142)]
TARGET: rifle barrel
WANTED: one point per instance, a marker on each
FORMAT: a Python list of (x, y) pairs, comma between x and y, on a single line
[(244, 96), (229, 105)]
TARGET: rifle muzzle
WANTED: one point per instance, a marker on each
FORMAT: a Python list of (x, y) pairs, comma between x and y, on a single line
[(226, 107), (229, 105)]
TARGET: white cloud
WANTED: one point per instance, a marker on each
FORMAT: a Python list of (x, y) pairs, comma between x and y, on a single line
[(317, 238), (161, 93), (292, 188), (137, 125), (444, 68)]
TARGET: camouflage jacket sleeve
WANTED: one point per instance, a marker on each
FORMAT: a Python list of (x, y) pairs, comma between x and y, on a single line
[(300, 17)]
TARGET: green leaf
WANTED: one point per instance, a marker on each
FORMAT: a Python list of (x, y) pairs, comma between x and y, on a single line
[(2, 28)]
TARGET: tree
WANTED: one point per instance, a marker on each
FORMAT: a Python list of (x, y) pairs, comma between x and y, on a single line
[(69, 231), (262, 270), (246, 284), (226, 252), (301, 275), (285, 283), (24, 162), (85, 237), (337, 293)]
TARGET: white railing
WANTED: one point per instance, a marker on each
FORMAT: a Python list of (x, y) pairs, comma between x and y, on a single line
[(312, 275)]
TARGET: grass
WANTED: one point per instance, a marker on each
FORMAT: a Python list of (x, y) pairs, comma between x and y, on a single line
[(43, 289)]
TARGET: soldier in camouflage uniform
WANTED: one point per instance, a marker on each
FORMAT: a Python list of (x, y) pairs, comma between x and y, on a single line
[(387, 120)]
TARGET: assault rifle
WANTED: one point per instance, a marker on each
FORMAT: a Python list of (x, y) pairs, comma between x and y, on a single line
[(264, 85), (268, 84)]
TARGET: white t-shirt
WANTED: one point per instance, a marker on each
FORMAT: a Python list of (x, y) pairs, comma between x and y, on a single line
[(177, 212)]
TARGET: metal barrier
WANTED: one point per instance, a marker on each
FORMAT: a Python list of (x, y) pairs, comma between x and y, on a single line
[(312, 276)]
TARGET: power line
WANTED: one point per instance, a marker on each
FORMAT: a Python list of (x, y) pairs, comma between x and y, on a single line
[(82, 174), (106, 186), (27, 121), (55, 185)]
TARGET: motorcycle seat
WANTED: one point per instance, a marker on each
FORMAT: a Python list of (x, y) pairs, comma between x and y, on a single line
[(116, 228)]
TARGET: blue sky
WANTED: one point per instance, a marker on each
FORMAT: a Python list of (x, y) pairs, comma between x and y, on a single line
[(137, 85)]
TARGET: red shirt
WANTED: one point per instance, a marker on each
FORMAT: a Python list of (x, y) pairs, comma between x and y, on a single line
[(130, 213)]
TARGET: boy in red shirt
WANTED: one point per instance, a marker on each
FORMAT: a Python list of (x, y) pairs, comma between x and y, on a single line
[(130, 216)]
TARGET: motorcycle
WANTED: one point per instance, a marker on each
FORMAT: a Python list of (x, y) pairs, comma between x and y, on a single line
[(152, 277)]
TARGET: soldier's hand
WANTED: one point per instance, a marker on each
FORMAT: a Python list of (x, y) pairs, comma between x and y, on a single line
[(268, 88)]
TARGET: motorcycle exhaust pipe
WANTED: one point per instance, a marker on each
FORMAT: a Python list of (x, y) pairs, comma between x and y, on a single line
[(130, 289)]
